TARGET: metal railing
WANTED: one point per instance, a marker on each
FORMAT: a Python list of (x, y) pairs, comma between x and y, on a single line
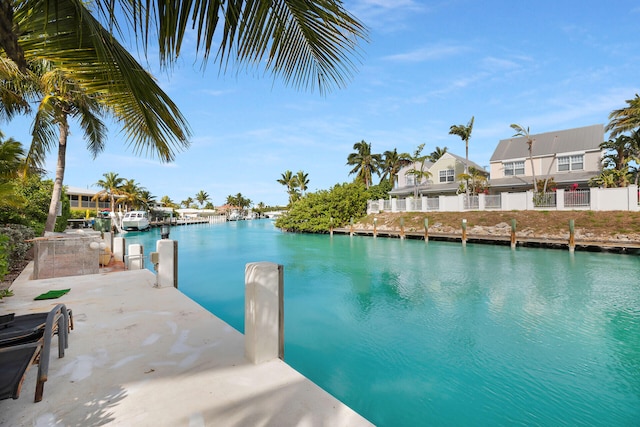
[(493, 201), (544, 200), (471, 202), (577, 198), (611, 199)]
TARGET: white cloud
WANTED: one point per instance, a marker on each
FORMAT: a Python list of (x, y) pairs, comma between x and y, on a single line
[(429, 53)]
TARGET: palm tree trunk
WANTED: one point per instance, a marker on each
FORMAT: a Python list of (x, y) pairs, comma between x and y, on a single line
[(466, 165), (533, 171), (57, 183)]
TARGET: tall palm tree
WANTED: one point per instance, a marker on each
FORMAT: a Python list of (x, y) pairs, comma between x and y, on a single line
[(464, 132), (84, 78), (309, 43), (167, 202), (437, 153), (418, 160), (111, 189), (619, 152), (202, 197), (11, 161), (11, 157), (524, 132), (302, 179), (364, 163), (478, 180), (625, 119), (187, 202), (146, 198), (132, 195), (392, 162), (289, 180)]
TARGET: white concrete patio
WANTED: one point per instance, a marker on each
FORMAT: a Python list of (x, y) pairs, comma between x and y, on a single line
[(142, 356)]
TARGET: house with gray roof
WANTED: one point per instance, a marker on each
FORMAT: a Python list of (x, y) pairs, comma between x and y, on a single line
[(571, 156), (442, 179)]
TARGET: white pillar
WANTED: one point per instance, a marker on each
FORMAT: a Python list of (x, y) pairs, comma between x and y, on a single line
[(633, 198), (481, 201), (167, 263), (264, 312), (529, 206), (135, 258), (560, 199), (593, 199), (394, 205), (118, 248)]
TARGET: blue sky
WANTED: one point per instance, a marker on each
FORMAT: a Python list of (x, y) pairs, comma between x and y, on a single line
[(548, 65)]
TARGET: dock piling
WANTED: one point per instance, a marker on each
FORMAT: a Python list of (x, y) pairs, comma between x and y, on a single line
[(513, 233), (464, 232), (426, 230), (401, 227), (375, 230), (572, 241)]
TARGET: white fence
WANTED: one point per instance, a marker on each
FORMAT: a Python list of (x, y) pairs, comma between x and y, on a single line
[(595, 199)]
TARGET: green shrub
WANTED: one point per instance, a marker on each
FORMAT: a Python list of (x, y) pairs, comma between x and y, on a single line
[(314, 212), (16, 246), (4, 255)]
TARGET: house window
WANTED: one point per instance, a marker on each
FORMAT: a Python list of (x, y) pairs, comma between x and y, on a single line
[(447, 175), (514, 168), (411, 179), (571, 163)]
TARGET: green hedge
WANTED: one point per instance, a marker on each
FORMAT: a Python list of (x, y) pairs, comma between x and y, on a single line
[(14, 246), (314, 212)]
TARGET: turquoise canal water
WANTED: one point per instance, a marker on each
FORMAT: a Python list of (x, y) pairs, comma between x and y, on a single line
[(409, 334)]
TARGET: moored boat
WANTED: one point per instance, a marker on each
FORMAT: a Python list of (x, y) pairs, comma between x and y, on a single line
[(135, 220)]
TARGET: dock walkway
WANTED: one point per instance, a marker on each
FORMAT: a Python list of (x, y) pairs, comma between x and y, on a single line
[(143, 356)]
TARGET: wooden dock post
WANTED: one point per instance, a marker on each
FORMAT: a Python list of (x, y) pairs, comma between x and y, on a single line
[(464, 232), (351, 227), (426, 230), (375, 230), (331, 226), (401, 227), (513, 233), (572, 241)]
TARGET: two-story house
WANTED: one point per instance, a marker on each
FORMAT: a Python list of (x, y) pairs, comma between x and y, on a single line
[(570, 157), (442, 177)]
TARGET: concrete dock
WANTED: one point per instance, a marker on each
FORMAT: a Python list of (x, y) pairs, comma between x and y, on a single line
[(144, 356)]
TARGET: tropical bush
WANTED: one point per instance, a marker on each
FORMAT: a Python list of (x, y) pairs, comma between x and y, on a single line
[(4, 255), (14, 246), (318, 212), (36, 195)]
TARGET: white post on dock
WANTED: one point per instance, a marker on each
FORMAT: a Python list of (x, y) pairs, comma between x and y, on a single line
[(167, 263), (264, 312), (135, 259), (118, 248)]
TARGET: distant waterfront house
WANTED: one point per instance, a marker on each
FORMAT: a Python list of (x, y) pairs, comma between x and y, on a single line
[(571, 157), (442, 181), (80, 198)]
